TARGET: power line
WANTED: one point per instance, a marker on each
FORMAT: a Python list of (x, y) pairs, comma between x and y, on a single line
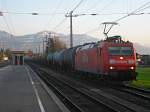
[(10, 20), (69, 7), (135, 11), (144, 8), (70, 14), (107, 5), (59, 4), (63, 20), (141, 8), (33, 13), (92, 30), (94, 5), (5, 20), (77, 5), (100, 14), (103, 8), (60, 23)]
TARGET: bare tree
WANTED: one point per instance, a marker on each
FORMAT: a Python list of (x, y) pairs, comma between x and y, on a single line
[(55, 44)]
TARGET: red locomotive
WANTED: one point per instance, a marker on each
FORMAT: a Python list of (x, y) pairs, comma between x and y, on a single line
[(112, 58)]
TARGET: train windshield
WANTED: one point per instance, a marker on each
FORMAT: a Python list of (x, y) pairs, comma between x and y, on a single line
[(121, 51)]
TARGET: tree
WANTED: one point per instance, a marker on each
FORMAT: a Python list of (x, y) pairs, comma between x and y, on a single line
[(8, 53), (55, 44)]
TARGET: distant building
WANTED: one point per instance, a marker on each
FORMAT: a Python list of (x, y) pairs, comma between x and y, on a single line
[(145, 60), (29, 53), (18, 57)]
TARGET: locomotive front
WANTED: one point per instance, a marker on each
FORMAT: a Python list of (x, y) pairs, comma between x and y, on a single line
[(121, 63)]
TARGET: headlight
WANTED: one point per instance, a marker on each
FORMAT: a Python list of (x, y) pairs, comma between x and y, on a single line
[(131, 61), (111, 68), (121, 58), (132, 68)]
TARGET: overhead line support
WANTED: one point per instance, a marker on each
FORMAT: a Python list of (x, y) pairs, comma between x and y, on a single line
[(71, 31)]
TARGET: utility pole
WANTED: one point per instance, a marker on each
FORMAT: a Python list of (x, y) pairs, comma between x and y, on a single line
[(47, 43), (3, 49), (39, 49), (71, 15), (43, 47), (71, 36), (36, 50), (71, 31)]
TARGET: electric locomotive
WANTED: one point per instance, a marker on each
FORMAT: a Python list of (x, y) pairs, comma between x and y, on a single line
[(111, 58)]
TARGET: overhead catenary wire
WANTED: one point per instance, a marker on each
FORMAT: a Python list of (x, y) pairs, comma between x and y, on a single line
[(70, 14), (32, 13), (63, 20), (54, 13), (7, 25), (102, 9), (60, 13), (94, 5), (5, 21), (36, 13), (77, 5), (139, 9), (134, 12), (100, 14), (60, 23), (144, 8), (92, 30), (9, 18), (52, 17)]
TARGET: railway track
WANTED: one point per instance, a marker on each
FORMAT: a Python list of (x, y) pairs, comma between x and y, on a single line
[(61, 95), (138, 89), (97, 99), (145, 94), (77, 100)]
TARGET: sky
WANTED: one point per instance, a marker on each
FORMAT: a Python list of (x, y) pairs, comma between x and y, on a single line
[(51, 17)]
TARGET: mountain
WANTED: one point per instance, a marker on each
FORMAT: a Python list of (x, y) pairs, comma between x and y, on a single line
[(35, 41), (141, 49), (78, 39), (5, 37)]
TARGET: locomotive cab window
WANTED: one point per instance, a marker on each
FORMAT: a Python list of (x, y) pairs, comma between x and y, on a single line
[(121, 50)]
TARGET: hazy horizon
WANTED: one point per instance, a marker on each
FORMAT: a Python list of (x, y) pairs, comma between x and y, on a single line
[(18, 20)]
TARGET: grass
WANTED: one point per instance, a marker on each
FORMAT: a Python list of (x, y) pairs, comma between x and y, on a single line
[(143, 78)]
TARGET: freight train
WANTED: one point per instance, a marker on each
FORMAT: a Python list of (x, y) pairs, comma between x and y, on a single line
[(109, 59)]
